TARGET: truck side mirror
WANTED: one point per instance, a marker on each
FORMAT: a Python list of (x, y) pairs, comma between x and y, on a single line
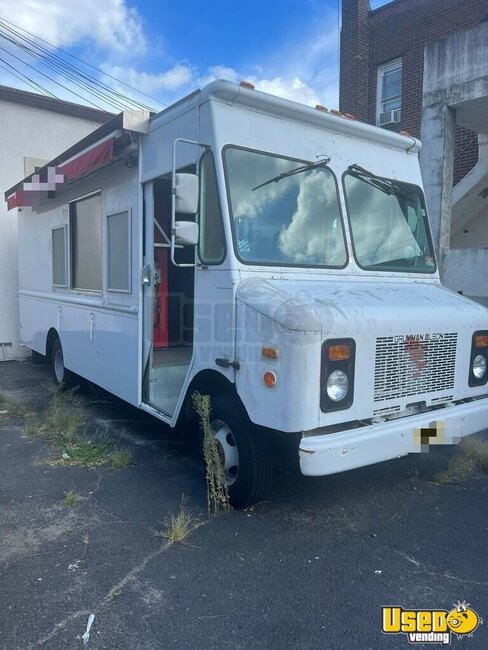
[(186, 232), (186, 193)]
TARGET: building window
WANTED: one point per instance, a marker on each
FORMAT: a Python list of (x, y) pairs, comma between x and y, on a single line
[(85, 218), (389, 93), (118, 252), (60, 274)]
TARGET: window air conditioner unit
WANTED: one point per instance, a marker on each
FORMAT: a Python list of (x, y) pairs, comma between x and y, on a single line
[(390, 117)]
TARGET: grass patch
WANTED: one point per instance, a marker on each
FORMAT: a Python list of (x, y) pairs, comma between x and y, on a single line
[(70, 499), (113, 593), (469, 459), (176, 528), (122, 458), (64, 426), (13, 409), (217, 490)]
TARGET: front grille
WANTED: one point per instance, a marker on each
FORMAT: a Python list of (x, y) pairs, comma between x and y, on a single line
[(407, 366)]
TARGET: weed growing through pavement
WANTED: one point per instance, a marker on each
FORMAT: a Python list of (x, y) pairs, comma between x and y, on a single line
[(217, 490), (121, 458), (70, 499), (176, 528), (11, 409), (470, 457), (113, 593), (64, 427)]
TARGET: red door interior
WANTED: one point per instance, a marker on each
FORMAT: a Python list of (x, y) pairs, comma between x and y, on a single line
[(160, 314)]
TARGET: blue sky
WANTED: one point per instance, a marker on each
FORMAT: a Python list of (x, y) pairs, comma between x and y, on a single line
[(166, 49)]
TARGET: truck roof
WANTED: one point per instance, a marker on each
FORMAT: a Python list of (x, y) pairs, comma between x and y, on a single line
[(245, 96)]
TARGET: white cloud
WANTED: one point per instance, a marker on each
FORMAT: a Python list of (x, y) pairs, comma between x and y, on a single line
[(173, 79), (292, 88), (110, 24), (219, 72), (295, 89), (304, 71)]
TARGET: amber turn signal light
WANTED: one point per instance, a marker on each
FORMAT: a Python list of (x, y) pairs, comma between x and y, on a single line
[(270, 353), (481, 341), (338, 352), (269, 379)]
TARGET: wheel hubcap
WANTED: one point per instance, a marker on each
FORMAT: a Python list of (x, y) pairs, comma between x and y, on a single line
[(59, 365), (228, 452)]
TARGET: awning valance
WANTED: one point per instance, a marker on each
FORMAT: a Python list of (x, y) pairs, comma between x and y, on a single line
[(50, 179)]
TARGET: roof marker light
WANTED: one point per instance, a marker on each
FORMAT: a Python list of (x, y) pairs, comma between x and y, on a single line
[(319, 107), (247, 84)]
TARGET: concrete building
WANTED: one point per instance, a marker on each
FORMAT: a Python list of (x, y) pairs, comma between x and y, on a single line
[(455, 93), (33, 130), (422, 66)]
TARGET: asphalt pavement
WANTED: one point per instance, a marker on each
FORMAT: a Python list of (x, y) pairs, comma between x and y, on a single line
[(309, 568)]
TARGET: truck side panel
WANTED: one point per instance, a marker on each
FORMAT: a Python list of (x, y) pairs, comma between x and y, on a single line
[(99, 331)]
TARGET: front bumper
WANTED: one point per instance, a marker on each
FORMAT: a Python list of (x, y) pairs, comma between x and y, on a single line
[(337, 452)]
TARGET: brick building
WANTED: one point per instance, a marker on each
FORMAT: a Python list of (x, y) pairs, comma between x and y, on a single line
[(382, 62)]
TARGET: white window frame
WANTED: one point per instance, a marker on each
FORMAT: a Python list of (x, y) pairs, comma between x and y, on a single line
[(129, 250), (66, 257), (386, 67)]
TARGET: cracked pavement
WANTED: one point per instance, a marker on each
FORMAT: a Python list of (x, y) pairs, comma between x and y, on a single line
[(309, 568)]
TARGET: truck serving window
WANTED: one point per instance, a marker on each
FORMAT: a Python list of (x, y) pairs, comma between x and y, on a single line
[(389, 226), (118, 252), (85, 218), (60, 278), (280, 218)]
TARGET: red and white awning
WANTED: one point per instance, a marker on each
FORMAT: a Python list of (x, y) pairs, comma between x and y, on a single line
[(53, 178)]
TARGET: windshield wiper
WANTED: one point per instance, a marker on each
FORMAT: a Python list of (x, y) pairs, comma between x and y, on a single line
[(383, 184), (298, 170)]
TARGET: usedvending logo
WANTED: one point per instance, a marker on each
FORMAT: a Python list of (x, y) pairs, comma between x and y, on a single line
[(431, 625)]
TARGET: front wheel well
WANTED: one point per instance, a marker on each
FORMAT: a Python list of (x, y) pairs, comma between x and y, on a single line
[(207, 382)]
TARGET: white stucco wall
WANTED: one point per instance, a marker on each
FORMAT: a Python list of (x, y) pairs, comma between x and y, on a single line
[(25, 132)]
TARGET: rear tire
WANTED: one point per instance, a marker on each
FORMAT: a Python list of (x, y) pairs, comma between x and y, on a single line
[(59, 374), (244, 450)]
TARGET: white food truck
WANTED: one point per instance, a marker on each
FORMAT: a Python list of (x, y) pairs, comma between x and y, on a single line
[(271, 255)]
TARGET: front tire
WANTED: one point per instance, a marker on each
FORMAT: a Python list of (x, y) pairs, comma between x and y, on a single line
[(243, 448), (60, 375)]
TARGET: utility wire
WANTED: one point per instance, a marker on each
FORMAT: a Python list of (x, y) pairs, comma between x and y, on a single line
[(81, 84), (4, 20), (43, 54), (50, 78), (27, 80)]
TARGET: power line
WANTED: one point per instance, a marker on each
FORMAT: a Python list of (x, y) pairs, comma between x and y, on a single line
[(4, 20), (45, 57), (27, 80), (50, 78)]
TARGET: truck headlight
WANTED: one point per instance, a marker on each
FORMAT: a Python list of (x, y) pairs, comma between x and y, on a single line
[(337, 385), (479, 366), (478, 375), (337, 374)]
